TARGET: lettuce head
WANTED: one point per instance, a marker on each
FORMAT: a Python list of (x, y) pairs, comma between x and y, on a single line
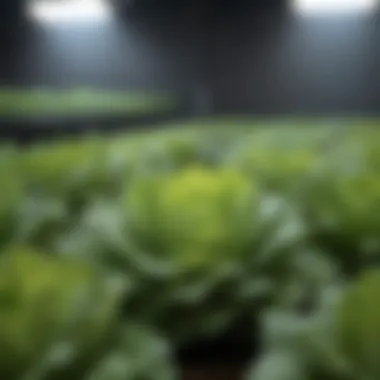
[(47, 307), (197, 216)]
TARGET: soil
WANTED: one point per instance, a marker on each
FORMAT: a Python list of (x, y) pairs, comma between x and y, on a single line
[(221, 372)]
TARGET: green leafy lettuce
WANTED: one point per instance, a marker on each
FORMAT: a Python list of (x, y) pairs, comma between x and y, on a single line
[(338, 341)]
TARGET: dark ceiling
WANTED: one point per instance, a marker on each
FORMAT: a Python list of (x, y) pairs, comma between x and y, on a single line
[(197, 10), (12, 8), (250, 55)]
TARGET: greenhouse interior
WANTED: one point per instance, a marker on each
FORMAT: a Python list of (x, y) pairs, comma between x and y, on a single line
[(204, 175)]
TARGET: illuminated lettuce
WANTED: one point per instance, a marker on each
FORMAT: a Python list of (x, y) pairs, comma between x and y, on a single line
[(196, 216), (52, 313), (208, 243)]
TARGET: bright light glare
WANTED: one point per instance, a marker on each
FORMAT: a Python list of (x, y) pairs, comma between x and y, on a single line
[(47, 11), (311, 7)]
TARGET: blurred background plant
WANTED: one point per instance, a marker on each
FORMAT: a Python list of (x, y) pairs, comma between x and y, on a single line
[(16, 102)]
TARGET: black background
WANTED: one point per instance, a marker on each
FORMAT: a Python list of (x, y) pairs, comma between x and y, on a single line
[(223, 57)]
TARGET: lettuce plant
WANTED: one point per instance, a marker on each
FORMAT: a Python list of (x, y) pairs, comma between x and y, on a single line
[(53, 312), (342, 210), (196, 216), (60, 319), (202, 244), (338, 342)]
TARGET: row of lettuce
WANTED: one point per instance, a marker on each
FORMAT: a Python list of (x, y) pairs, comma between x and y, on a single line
[(50, 102), (117, 251)]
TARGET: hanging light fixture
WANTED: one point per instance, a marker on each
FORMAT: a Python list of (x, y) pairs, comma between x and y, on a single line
[(49, 11), (326, 7)]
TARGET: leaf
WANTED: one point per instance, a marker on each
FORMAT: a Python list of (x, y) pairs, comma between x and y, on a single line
[(283, 229), (316, 267), (312, 339), (257, 287), (101, 235), (138, 354), (279, 365), (284, 330), (40, 219)]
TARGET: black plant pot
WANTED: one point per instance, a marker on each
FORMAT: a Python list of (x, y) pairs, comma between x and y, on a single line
[(226, 357)]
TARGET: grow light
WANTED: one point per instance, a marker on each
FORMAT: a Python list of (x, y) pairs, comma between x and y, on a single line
[(316, 7), (48, 11)]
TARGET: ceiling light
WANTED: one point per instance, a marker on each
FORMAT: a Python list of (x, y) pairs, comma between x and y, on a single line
[(48, 11), (316, 7)]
